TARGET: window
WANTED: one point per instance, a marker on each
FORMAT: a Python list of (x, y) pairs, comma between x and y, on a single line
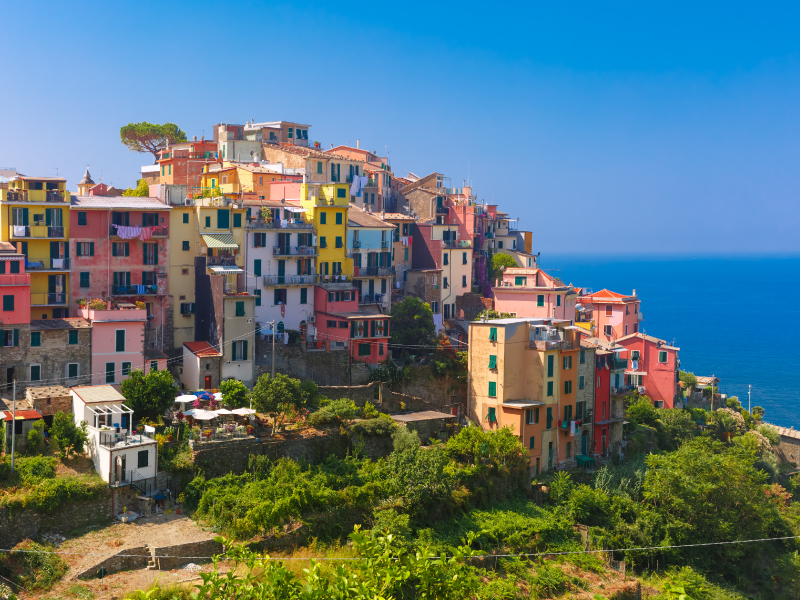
[(72, 337), (208, 222), (110, 368), (363, 350), (492, 361), (405, 254), (331, 324), (319, 167), (540, 300), (149, 219), (580, 410), (634, 355), (120, 249), (186, 217), (341, 192), (278, 297), (150, 254), (323, 242), (568, 386), (142, 459), (582, 357), (36, 338), (303, 295), (492, 416), (84, 279), (581, 382), (558, 299), (84, 248), (237, 219), (239, 348), (82, 217), (635, 328), (126, 368), (531, 444), (10, 337), (8, 302), (463, 258), (185, 245), (13, 266), (36, 372), (549, 417), (72, 370), (493, 389), (120, 340), (240, 309), (339, 242), (627, 309), (445, 259), (342, 324), (569, 450), (520, 281), (662, 356), (500, 244), (380, 349), (549, 389), (323, 218), (626, 330), (153, 365), (529, 416), (550, 364), (223, 218), (184, 271), (607, 329), (609, 310), (338, 218), (445, 284), (493, 334)]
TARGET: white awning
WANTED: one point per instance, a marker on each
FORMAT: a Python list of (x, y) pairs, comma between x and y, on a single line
[(636, 373), (225, 269), (294, 209)]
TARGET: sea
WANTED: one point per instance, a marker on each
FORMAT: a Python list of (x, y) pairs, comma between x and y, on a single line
[(731, 316)]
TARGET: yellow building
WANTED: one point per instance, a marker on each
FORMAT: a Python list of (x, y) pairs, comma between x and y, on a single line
[(235, 178), (326, 206), (34, 216), (523, 375)]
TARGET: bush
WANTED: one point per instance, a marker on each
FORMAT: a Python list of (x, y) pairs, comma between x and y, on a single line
[(69, 438), (549, 580), (335, 412), (383, 425), (405, 439), (36, 436), (37, 569), (49, 494), (369, 411), (234, 393)]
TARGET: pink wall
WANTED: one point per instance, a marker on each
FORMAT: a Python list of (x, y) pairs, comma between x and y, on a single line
[(278, 190), (19, 286), (661, 380), (618, 320), (105, 323), (602, 404), (525, 304)]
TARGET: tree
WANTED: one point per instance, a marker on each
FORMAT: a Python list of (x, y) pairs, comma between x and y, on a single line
[(149, 395), (498, 264), (234, 393), (412, 323), (390, 374), (490, 314), (150, 137), (277, 397), (142, 190), (36, 436), (641, 411), (69, 438)]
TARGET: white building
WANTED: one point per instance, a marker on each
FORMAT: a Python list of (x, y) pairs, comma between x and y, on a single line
[(280, 256), (120, 457)]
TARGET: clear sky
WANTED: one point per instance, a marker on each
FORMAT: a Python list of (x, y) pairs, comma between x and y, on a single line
[(634, 127)]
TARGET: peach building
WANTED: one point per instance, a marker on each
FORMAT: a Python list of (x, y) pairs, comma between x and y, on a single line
[(117, 342), (613, 315), (532, 293)]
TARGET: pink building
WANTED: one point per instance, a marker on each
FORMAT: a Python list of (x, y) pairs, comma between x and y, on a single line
[(15, 287), (120, 247), (532, 293), (614, 315), (117, 342), (653, 365), (340, 325)]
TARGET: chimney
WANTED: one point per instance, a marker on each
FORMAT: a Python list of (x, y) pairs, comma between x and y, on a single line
[(358, 144), (634, 292), (194, 138)]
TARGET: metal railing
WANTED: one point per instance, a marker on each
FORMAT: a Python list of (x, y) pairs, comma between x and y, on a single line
[(371, 298), (550, 345), (294, 251), (35, 196), (159, 233), (618, 363), (229, 261), (270, 280), (442, 210), (334, 278), (373, 271), (55, 231), (248, 291), (212, 435), (134, 290), (258, 224)]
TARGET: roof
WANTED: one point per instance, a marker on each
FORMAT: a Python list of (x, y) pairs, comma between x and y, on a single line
[(91, 394), (8, 247), (308, 152), (534, 321), (705, 380), (128, 202), (87, 179), (522, 403), (425, 415), (396, 217), (53, 324), (29, 178), (202, 349), (607, 296), (359, 314), (219, 240), (332, 286), (23, 415), (653, 340), (360, 218), (153, 354), (789, 432), (225, 269), (50, 391)]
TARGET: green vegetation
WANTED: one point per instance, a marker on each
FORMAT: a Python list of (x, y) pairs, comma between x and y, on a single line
[(149, 396), (280, 397), (67, 436), (36, 437), (499, 263), (142, 190), (412, 325), (150, 137), (234, 393), (36, 569), (390, 374)]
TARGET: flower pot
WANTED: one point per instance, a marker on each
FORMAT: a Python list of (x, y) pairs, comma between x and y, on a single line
[(178, 510), (124, 519)]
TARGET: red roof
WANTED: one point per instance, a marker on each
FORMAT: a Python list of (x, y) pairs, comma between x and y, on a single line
[(202, 349), (609, 296), (24, 415)]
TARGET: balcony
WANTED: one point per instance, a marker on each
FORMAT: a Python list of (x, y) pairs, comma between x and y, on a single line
[(371, 183), (48, 299), (385, 245), (442, 210), (373, 271), (16, 279), (641, 316), (356, 244), (371, 299), (257, 224), (273, 280), (48, 264), (294, 251), (225, 261), (550, 345), (134, 290), (456, 244), (162, 232), (549, 339), (37, 231), (249, 291), (333, 278), (618, 363), (37, 196)]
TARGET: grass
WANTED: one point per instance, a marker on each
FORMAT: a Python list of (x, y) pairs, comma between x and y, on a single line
[(81, 592), (33, 570)]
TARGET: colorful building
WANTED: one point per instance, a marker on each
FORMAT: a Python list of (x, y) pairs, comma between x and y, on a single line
[(369, 244), (609, 402), (375, 194), (326, 208), (654, 368), (612, 315), (121, 250), (523, 374), (34, 216), (401, 245), (117, 341), (532, 293)]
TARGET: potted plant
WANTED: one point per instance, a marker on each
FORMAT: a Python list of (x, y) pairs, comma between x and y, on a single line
[(250, 430), (82, 302), (124, 517), (140, 305)]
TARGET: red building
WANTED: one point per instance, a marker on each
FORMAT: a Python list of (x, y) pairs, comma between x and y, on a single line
[(602, 401), (340, 325), (182, 164), (653, 368), (15, 285), (120, 247)]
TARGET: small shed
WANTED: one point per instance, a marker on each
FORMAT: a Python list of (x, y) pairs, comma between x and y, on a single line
[(20, 427), (49, 400), (427, 423)]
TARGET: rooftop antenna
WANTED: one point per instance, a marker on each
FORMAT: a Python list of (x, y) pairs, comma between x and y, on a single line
[(56, 168)]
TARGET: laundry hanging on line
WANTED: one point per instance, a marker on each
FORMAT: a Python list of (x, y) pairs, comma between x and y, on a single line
[(126, 232)]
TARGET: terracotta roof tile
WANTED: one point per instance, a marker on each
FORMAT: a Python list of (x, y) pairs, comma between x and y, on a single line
[(202, 349)]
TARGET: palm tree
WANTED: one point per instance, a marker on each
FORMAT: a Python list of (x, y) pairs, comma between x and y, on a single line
[(724, 425)]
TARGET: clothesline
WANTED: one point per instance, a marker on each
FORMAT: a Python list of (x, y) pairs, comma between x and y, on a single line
[(128, 233)]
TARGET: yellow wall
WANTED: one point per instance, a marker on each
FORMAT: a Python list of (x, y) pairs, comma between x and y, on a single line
[(181, 286), (330, 205)]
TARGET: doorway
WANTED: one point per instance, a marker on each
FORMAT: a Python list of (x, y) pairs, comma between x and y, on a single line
[(207, 385), (550, 456), (120, 470), (584, 443)]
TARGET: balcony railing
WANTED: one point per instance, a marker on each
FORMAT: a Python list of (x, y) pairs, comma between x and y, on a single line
[(373, 271), (48, 264), (257, 224), (386, 244), (550, 345), (36, 196), (134, 290), (294, 251), (54, 231), (456, 244), (19, 231), (47, 299), (442, 210), (618, 363), (334, 278), (272, 280), (227, 261), (158, 233), (248, 291), (356, 244), (15, 279), (371, 299)]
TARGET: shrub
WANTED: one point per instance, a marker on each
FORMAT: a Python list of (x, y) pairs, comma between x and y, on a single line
[(37, 569), (69, 438), (405, 439), (770, 432), (549, 580), (337, 411), (36, 436), (382, 425), (234, 393), (369, 411)]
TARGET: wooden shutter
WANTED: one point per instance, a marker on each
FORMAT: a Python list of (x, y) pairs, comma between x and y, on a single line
[(91, 248), (386, 327), (352, 329), (257, 267), (372, 328), (25, 216), (244, 349), (233, 351), (16, 337)]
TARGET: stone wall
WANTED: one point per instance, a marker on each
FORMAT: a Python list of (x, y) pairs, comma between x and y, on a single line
[(175, 557), (788, 450), (324, 368), (471, 304), (129, 559), (221, 457)]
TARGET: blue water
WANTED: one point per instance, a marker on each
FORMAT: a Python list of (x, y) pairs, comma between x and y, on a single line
[(735, 318)]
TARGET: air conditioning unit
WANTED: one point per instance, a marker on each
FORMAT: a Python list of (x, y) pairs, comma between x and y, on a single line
[(642, 389), (312, 319)]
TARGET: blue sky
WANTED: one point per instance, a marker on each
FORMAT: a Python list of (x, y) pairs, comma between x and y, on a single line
[(633, 127)]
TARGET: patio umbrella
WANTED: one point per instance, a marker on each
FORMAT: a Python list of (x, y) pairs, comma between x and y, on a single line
[(243, 411), (204, 415), (204, 395), (224, 411), (189, 413), (218, 395), (186, 398)]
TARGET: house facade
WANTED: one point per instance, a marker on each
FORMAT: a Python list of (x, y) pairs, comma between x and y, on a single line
[(401, 245), (654, 368), (613, 315), (532, 293), (369, 244), (117, 342)]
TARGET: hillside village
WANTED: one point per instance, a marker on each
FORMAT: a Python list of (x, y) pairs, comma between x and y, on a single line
[(262, 319)]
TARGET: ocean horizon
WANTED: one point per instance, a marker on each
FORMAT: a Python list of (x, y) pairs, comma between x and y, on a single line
[(711, 307)]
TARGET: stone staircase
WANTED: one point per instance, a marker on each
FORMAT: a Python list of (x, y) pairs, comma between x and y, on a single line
[(153, 564)]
